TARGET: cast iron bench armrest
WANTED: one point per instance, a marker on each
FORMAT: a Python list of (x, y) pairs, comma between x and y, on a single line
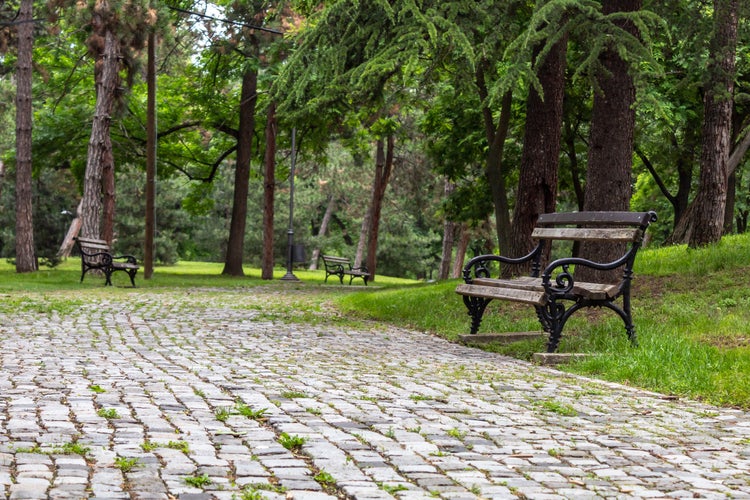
[(558, 279), (478, 267)]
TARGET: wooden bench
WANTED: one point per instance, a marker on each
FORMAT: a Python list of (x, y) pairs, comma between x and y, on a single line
[(553, 290), (340, 266), (95, 254)]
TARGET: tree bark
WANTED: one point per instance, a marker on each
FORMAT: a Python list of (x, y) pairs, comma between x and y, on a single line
[(108, 193), (151, 143), (322, 230), (496, 135), (610, 158), (269, 191), (463, 244), (99, 150), (383, 169), (449, 233), (25, 254), (236, 243), (75, 227), (537, 183), (710, 202), (731, 203), (359, 255)]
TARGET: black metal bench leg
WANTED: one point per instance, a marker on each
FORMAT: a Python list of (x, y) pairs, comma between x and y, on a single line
[(627, 319), (476, 307), (552, 317), (132, 277)]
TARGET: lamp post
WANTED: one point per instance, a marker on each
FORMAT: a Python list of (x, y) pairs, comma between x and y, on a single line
[(289, 276)]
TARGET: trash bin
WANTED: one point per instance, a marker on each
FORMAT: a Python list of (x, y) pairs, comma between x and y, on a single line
[(298, 254)]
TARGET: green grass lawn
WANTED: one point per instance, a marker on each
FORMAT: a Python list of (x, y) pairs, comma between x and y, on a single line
[(691, 309)]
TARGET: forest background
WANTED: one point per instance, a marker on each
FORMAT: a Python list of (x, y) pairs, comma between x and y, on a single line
[(422, 130)]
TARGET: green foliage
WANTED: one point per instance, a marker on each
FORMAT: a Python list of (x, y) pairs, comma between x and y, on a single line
[(291, 442), (197, 481), (108, 413), (53, 193), (325, 478), (127, 464)]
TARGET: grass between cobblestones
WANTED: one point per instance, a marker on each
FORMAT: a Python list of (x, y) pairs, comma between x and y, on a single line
[(691, 310)]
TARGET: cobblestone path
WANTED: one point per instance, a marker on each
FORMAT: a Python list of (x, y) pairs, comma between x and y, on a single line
[(206, 395)]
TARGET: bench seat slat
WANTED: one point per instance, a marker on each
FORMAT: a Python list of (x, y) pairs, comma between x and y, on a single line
[(594, 291), (125, 265), (493, 292), (586, 234)]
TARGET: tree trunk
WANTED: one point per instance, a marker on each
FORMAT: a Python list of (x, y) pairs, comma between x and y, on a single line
[(364, 230), (236, 243), (383, 169), (330, 207), (710, 202), (610, 159), (463, 244), (269, 191), (73, 230), (107, 80), (730, 205), (496, 135), (25, 255), (537, 183), (449, 233), (496, 175), (108, 193), (151, 143), (569, 138)]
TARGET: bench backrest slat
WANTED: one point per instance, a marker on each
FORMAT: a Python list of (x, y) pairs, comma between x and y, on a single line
[(586, 234), (93, 244), (641, 219), (340, 260)]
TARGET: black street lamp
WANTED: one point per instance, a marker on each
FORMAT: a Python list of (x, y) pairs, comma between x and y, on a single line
[(289, 276)]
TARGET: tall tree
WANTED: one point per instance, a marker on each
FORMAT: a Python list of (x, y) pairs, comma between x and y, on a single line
[(269, 189), (610, 155), (25, 256), (537, 183), (235, 245), (383, 170), (450, 229), (117, 30), (151, 146), (710, 202), (249, 36)]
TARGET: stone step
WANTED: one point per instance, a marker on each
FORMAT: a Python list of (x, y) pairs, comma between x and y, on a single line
[(501, 338)]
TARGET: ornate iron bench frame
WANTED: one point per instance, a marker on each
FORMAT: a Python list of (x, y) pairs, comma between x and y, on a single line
[(95, 254), (557, 286), (340, 266)]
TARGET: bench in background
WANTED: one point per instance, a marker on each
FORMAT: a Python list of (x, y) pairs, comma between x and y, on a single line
[(96, 254), (555, 293), (340, 266)]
